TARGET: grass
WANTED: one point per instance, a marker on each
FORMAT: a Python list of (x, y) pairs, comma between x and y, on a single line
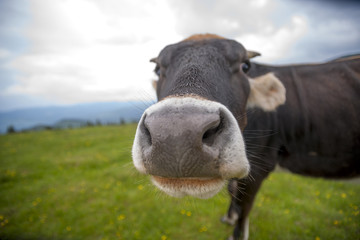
[(80, 184)]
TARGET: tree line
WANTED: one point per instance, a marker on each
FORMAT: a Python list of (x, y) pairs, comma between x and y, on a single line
[(11, 129)]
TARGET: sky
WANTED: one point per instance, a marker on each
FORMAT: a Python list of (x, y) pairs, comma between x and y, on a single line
[(77, 51)]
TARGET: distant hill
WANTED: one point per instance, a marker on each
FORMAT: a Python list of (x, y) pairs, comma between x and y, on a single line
[(72, 115)]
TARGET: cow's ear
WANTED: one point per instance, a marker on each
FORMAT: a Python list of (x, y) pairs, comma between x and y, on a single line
[(267, 92), (252, 54), (154, 84)]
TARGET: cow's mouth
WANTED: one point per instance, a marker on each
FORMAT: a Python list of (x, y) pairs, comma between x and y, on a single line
[(196, 187)]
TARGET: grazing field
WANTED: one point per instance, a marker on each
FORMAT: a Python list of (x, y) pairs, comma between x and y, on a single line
[(80, 184)]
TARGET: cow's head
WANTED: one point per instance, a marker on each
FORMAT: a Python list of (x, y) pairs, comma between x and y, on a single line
[(191, 140)]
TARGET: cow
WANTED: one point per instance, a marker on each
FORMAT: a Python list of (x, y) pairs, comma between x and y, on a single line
[(211, 100)]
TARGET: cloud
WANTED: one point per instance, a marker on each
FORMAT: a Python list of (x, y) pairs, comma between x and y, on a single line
[(332, 29), (283, 31), (276, 43), (84, 51), (13, 18), (249, 22), (89, 50), (4, 53), (229, 18)]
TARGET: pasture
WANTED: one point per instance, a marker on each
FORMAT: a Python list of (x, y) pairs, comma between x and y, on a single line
[(81, 184)]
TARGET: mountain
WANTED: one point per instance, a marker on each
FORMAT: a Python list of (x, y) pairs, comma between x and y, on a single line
[(55, 116)]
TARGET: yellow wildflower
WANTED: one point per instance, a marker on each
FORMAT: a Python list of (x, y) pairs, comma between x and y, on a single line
[(140, 187), (3, 223), (163, 237), (336, 222), (203, 229), (317, 238), (183, 212), (343, 195), (188, 213), (68, 228), (121, 217), (36, 202), (10, 173), (43, 218)]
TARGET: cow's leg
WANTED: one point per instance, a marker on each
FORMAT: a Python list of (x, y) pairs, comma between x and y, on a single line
[(233, 213), (241, 204)]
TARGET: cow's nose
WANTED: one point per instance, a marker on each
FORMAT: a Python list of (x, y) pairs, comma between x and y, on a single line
[(182, 142), (197, 129), (189, 138)]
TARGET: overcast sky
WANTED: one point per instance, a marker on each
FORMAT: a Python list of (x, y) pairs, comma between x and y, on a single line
[(76, 51)]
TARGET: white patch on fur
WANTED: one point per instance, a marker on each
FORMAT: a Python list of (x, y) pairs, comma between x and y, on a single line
[(234, 216), (267, 92), (233, 162), (246, 229)]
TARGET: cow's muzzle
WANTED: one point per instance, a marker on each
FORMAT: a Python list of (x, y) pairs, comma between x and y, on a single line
[(190, 146)]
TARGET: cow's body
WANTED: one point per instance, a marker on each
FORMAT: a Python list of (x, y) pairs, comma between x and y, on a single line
[(315, 133), (210, 104)]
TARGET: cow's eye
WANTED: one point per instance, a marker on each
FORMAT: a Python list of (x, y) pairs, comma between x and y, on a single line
[(157, 70), (245, 66)]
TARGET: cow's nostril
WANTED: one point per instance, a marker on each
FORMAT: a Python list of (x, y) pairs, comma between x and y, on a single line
[(209, 136), (211, 133), (146, 133)]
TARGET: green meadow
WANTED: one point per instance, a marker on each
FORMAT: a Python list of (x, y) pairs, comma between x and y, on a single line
[(81, 184)]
